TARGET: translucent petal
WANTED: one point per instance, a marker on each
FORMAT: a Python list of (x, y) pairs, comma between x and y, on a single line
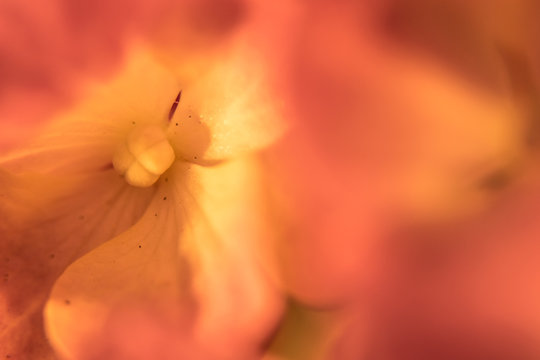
[(46, 222), (87, 135), (233, 107), (195, 249)]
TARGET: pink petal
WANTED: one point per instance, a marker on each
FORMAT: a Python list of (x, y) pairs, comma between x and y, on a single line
[(383, 134)]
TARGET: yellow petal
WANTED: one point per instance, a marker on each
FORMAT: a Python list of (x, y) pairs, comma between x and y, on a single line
[(235, 101), (195, 247)]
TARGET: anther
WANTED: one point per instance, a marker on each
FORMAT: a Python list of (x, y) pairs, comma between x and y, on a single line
[(144, 156)]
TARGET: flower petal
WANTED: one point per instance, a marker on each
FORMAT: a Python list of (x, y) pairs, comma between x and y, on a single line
[(236, 102), (47, 222), (61, 198), (383, 134), (195, 249), (464, 289), (50, 51)]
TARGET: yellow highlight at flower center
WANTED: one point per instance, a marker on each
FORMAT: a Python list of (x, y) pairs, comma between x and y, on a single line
[(144, 156)]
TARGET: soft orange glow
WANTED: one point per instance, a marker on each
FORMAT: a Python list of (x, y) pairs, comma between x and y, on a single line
[(338, 180)]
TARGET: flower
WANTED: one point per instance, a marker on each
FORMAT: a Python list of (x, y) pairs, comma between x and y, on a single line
[(163, 268), (164, 211)]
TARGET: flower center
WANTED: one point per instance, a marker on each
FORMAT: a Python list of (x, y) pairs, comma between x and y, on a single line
[(144, 156)]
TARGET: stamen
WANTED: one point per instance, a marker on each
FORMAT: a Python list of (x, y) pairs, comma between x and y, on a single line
[(144, 156)]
